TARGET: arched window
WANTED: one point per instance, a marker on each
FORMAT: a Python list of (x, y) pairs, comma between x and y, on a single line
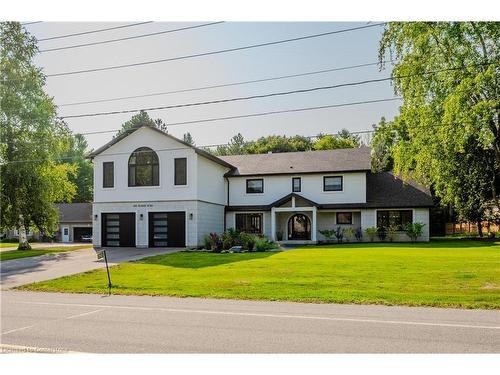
[(143, 168)]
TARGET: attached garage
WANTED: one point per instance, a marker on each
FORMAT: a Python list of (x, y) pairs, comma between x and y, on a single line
[(167, 229), (118, 229)]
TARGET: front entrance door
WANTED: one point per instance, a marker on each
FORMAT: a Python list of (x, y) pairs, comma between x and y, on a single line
[(118, 229), (299, 227), (65, 234)]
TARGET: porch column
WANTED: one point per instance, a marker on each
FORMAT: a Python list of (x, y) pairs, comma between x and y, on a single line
[(273, 224), (314, 224)]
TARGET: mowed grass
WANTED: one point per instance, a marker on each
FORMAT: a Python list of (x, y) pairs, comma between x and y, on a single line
[(11, 244), (17, 254), (456, 273)]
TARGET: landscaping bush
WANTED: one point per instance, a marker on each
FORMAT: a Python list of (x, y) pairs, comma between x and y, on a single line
[(392, 231), (381, 233), (328, 234), (414, 231), (371, 232), (263, 244), (248, 240), (358, 234), (339, 234), (207, 242), (349, 233), (215, 242)]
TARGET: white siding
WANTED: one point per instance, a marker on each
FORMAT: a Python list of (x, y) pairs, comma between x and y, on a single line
[(167, 149), (211, 183), (276, 187), (210, 218)]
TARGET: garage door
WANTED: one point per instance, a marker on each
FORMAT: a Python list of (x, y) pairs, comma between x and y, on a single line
[(78, 232), (118, 229), (167, 229)]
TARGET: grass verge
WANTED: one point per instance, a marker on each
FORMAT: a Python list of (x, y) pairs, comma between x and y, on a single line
[(17, 254)]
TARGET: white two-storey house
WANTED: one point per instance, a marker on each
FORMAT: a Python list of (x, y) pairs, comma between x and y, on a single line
[(152, 189)]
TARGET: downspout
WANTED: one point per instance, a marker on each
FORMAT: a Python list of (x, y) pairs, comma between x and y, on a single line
[(227, 205)]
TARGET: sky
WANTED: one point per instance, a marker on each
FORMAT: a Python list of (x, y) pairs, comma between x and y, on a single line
[(331, 51)]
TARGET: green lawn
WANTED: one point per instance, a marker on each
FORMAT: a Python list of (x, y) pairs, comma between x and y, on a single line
[(441, 273), (16, 254), (11, 244)]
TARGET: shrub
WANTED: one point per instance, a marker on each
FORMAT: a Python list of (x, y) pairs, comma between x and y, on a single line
[(414, 231), (248, 240), (339, 234), (381, 233), (263, 244), (371, 232), (230, 238), (349, 233), (207, 242), (215, 242), (358, 234), (392, 231), (328, 234)]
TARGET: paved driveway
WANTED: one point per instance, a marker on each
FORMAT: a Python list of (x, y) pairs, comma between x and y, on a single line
[(50, 266)]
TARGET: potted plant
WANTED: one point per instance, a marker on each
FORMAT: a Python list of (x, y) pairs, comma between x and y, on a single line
[(371, 232), (339, 234), (349, 233), (381, 233)]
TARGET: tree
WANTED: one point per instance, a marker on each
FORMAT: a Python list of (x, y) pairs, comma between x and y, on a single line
[(279, 143), (448, 77), (343, 139), (142, 118), (188, 138), (31, 140), (382, 142), (236, 146), (83, 178)]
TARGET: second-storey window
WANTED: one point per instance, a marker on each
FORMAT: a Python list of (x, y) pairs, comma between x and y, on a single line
[(255, 185), (332, 183), (180, 166), (296, 184), (143, 168), (108, 174)]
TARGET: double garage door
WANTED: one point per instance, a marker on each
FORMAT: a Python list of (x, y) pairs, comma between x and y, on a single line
[(165, 229)]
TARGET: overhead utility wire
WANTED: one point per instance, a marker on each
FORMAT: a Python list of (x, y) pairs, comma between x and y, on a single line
[(221, 85), (93, 31), (299, 91), (30, 23), (130, 37), (211, 52)]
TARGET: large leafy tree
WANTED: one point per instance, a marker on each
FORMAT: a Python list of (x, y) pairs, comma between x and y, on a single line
[(84, 176), (343, 139), (31, 140), (448, 76), (382, 143), (279, 143)]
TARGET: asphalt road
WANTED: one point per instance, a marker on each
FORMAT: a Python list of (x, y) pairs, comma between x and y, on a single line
[(50, 266), (132, 324)]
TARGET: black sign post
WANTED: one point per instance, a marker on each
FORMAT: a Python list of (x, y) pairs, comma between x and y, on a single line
[(100, 255)]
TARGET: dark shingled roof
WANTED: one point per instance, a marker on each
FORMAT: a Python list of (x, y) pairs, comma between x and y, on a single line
[(341, 160), (384, 190), (75, 212)]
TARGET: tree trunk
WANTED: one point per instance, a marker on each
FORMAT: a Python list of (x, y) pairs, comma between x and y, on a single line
[(480, 228), (23, 238)]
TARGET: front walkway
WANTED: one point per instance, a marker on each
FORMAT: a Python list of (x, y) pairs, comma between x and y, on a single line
[(50, 266)]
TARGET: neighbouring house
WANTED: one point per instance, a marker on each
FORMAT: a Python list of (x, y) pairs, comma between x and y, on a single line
[(75, 222), (152, 189)]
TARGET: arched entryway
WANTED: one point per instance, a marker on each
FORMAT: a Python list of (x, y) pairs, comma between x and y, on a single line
[(299, 227)]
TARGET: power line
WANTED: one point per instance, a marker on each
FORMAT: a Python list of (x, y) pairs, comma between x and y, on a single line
[(93, 31), (130, 37), (30, 23), (212, 52), (222, 85), (299, 91)]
